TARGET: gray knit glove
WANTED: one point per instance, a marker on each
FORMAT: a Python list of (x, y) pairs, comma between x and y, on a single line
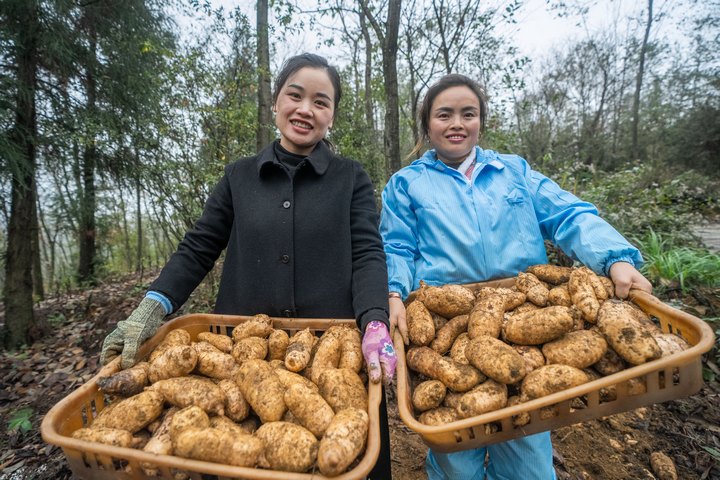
[(126, 339)]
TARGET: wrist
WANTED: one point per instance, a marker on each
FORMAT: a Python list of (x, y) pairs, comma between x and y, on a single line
[(394, 295), (609, 264), (162, 299), (377, 326)]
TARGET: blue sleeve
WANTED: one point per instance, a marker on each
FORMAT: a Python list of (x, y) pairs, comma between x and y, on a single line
[(398, 230), (575, 226)]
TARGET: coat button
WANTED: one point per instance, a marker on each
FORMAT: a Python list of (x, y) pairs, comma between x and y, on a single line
[(286, 204), (287, 313), (285, 258)]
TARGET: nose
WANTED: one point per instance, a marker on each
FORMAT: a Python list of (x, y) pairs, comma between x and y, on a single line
[(456, 122), (305, 108)]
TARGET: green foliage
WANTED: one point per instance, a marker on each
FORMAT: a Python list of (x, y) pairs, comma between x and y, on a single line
[(138, 289), (695, 139), (643, 198), (714, 452), (671, 266), (21, 353), (56, 319), (20, 420), (354, 138)]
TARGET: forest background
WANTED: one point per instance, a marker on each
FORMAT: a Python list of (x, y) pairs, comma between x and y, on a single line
[(116, 119)]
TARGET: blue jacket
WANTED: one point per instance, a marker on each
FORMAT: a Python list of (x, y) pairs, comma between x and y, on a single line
[(440, 227)]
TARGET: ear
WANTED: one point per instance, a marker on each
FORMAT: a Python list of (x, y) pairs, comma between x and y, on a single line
[(274, 108)]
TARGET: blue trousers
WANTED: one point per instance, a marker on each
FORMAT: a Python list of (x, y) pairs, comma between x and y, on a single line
[(527, 458)]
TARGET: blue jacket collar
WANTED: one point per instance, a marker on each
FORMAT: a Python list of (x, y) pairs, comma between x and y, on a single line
[(483, 158)]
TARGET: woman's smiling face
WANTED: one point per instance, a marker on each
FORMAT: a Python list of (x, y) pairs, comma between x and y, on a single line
[(454, 125), (304, 110)]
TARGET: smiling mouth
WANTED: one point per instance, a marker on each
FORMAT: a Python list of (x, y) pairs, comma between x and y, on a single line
[(456, 137), (300, 124)]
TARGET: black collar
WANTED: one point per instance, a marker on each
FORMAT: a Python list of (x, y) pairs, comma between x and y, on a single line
[(319, 159)]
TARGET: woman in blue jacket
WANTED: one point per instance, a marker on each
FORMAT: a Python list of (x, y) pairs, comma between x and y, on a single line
[(461, 214)]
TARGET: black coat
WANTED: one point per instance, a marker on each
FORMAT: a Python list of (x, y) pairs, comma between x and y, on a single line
[(298, 246)]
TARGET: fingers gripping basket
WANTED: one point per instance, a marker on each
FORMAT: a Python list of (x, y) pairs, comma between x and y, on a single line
[(89, 460), (667, 378)]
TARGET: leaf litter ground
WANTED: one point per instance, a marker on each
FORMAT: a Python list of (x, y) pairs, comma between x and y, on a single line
[(616, 447)]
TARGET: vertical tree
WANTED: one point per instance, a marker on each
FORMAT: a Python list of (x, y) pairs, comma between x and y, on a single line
[(122, 50), (638, 83), (265, 127), (86, 240), (388, 37), (23, 29), (456, 27), (367, 89)]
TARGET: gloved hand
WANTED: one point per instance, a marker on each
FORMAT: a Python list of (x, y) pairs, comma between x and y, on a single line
[(131, 333), (379, 352)]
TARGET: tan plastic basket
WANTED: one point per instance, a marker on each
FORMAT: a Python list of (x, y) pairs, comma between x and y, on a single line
[(90, 460), (668, 378)]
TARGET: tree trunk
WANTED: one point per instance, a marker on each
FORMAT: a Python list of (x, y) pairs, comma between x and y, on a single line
[(638, 85), (392, 112), (265, 126), (414, 93), (389, 41), (138, 221), (86, 265), (51, 238), (444, 49), (127, 253), (369, 111), (38, 286), (17, 294)]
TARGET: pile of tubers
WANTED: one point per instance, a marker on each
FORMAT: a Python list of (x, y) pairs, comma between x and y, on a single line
[(477, 350), (260, 398)]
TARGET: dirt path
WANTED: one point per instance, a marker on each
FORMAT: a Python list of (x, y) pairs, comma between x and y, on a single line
[(710, 235)]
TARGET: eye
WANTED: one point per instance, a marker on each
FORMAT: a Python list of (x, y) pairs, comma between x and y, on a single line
[(321, 103), (293, 95), (470, 115), (443, 115)]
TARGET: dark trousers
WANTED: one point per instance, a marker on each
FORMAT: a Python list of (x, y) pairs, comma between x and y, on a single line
[(383, 468)]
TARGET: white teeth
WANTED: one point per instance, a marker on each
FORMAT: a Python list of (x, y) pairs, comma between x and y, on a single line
[(301, 124)]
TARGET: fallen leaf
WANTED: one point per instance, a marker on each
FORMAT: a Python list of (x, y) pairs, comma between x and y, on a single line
[(14, 467)]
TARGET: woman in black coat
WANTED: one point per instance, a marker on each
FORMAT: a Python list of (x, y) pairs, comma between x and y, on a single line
[(300, 230)]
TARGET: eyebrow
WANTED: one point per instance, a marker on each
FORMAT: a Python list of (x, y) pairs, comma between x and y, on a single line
[(302, 89), (463, 109)]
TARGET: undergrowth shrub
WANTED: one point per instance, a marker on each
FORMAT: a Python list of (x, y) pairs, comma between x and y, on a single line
[(669, 265), (641, 199)]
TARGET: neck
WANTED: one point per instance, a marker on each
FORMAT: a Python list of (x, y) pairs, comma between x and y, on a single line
[(455, 162), (305, 151)]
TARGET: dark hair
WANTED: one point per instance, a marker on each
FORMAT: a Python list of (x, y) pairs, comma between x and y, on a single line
[(448, 81), (293, 64)]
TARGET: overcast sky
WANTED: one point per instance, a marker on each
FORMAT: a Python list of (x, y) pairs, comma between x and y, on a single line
[(539, 30)]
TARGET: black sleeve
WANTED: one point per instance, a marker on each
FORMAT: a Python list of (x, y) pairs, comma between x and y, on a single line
[(369, 275)]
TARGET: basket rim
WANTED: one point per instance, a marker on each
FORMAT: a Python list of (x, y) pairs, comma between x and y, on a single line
[(645, 300), (60, 412)]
